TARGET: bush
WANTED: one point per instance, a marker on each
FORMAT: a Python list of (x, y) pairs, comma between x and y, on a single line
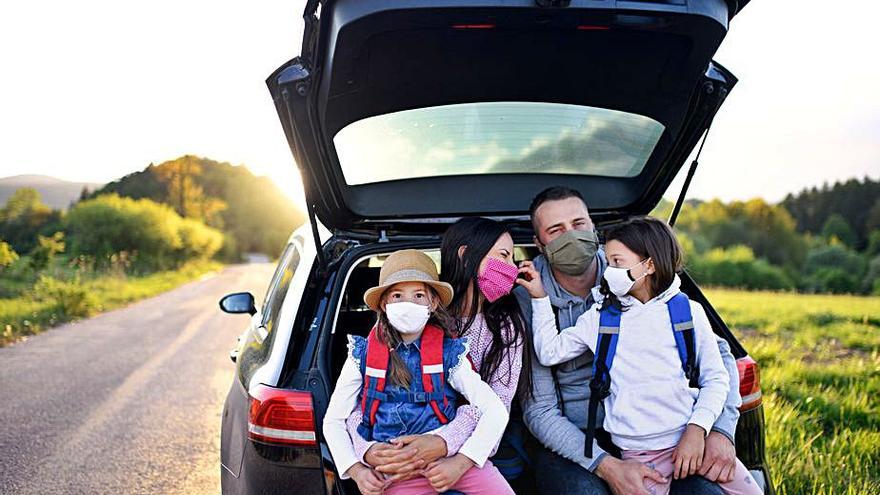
[(45, 250), (7, 255), (197, 240), (737, 267), (153, 233), (833, 268), (70, 299)]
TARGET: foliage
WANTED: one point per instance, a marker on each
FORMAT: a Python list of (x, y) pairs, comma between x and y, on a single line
[(54, 300), (252, 210), (737, 267), (871, 283), (856, 201), (109, 224), (833, 268), (47, 247), (768, 230), (23, 217), (70, 299), (7, 255), (873, 248), (820, 375), (836, 227)]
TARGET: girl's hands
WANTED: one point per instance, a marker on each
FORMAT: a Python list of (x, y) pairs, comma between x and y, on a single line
[(531, 280), (369, 481), (688, 455), (444, 473)]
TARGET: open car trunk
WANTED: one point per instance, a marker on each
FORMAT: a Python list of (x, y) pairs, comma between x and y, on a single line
[(405, 110)]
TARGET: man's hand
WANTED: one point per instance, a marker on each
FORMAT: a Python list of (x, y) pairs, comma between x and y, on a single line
[(531, 280), (369, 482), (719, 460), (626, 477), (688, 455), (443, 473)]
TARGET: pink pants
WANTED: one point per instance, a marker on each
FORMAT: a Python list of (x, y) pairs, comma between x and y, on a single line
[(661, 461), (487, 480)]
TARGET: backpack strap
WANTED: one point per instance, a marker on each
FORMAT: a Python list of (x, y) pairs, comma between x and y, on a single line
[(600, 384), (432, 368), (683, 329), (374, 382)]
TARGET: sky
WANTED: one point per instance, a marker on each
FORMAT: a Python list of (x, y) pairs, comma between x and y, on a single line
[(91, 91)]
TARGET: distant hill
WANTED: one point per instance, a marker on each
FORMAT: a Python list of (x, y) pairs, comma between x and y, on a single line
[(56, 193)]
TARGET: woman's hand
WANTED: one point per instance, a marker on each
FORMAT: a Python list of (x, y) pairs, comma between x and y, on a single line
[(369, 482), (444, 473), (688, 455), (531, 280)]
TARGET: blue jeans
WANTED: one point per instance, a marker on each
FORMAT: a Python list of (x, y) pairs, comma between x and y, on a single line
[(555, 475)]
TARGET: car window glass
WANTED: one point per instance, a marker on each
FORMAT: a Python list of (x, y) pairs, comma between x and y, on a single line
[(272, 308), (496, 138)]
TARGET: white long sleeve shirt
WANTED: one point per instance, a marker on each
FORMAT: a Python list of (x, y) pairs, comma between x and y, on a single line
[(486, 435), (650, 403)]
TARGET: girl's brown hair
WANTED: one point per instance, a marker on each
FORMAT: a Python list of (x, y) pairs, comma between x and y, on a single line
[(648, 237), (398, 373)]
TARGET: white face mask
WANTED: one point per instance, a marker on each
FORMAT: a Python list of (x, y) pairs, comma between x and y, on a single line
[(619, 280), (407, 317)]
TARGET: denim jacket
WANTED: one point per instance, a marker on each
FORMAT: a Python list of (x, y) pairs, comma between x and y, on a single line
[(393, 418)]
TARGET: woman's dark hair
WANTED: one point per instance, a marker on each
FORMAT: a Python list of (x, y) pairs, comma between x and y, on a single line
[(648, 237), (478, 235), (398, 373)]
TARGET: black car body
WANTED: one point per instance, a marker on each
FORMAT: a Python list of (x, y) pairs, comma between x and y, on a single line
[(404, 116)]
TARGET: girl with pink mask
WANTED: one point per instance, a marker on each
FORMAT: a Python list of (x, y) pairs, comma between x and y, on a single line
[(477, 260)]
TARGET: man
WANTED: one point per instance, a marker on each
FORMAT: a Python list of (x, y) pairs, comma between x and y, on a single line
[(571, 264)]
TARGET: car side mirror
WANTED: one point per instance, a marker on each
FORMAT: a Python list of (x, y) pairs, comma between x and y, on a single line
[(237, 303)]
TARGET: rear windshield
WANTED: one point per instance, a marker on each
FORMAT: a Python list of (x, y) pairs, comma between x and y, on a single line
[(496, 138)]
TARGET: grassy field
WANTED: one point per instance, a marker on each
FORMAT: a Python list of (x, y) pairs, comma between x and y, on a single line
[(51, 301), (820, 372)]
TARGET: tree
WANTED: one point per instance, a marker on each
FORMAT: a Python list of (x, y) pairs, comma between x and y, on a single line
[(24, 217), (184, 193), (769, 230), (837, 227)]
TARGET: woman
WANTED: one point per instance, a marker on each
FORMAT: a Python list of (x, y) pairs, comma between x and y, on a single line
[(477, 260)]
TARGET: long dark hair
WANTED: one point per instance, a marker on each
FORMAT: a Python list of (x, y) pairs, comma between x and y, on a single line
[(398, 373), (648, 237), (479, 235)]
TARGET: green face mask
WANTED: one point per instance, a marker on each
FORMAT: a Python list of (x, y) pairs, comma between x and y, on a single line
[(572, 252)]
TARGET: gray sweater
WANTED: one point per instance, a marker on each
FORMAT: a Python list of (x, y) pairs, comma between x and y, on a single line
[(559, 425)]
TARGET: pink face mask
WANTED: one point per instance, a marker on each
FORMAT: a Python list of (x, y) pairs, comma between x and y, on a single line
[(497, 279)]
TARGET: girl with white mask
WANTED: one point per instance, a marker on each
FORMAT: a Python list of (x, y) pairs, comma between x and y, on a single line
[(407, 378), (657, 365)]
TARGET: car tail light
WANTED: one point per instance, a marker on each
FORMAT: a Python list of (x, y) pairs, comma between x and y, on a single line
[(590, 27), (749, 383), (281, 416)]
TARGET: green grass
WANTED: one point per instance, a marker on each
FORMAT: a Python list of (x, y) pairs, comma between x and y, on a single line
[(820, 374), (56, 301)]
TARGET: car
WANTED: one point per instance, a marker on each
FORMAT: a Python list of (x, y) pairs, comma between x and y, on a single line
[(406, 115)]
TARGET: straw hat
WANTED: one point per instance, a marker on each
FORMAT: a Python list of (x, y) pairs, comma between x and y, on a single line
[(408, 265)]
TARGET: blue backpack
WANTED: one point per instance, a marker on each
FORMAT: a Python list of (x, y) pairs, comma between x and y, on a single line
[(609, 328)]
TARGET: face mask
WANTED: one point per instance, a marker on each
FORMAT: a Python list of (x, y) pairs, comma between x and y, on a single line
[(572, 252), (407, 317), (619, 280), (497, 279)]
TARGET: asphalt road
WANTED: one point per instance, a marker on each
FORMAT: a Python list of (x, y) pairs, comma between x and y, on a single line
[(128, 401)]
